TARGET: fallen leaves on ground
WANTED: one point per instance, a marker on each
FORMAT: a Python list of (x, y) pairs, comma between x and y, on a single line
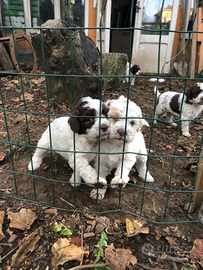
[(65, 250), (21, 220), (135, 227), (119, 258), (27, 246)]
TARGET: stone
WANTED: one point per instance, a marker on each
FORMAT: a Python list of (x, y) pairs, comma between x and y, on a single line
[(115, 64), (192, 207), (63, 48)]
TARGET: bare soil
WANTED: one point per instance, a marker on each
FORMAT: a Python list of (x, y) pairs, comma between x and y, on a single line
[(49, 186)]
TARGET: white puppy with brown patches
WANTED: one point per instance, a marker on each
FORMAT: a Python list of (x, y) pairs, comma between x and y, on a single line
[(170, 102), (125, 146), (87, 129)]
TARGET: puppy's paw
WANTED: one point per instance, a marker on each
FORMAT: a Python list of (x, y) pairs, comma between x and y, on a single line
[(118, 181), (102, 181), (155, 122), (101, 193), (173, 124), (149, 178), (35, 164), (186, 134)]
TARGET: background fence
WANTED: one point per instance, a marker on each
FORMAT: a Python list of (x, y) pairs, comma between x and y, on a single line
[(37, 110)]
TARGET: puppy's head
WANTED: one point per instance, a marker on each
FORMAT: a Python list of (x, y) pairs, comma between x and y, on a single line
[(194, 94), (124, 128), (135, 70), (87, 121)]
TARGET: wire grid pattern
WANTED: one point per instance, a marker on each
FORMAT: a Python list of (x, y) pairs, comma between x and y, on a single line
[(13, 172)]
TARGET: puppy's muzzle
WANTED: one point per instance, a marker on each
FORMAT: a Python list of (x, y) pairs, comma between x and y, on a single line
[(104, 127), (121, 132)]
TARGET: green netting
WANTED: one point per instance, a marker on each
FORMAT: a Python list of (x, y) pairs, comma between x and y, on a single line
[(8, 7)]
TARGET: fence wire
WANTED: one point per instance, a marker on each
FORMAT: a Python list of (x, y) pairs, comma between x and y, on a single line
[(54, 182)]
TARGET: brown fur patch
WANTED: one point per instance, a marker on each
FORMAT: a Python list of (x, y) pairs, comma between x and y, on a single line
[(114, 112), (174, 104), (81, 124), (192, 92)]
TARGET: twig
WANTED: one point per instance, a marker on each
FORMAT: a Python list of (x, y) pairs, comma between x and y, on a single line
[(67, 202), (8, 253), (147, 267), (89, 266), (6, 244), (169, 258)]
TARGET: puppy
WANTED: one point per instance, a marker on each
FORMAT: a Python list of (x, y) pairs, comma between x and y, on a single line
[(114, 145), (134, 70), (170, 102), (86, 129)]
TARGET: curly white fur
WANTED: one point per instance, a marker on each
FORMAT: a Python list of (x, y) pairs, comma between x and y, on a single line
[(134, 152), (62, 141), (170, 102)]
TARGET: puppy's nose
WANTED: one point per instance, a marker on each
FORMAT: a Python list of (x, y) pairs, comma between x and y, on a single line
[(121, 132), (104, 127)]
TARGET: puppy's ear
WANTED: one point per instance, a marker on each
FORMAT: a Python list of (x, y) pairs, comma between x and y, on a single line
[(142, 122), (193, 91), (74, 123), (105, 109)]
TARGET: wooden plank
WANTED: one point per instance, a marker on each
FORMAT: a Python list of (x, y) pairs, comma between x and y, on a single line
[(194, 47), (177, 37), (92, 20), (198, 197), (5, 60)]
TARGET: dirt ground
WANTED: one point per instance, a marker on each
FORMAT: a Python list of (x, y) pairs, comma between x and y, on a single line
[(133, 201)]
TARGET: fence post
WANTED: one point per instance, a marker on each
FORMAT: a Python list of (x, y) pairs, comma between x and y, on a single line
[(198, 197)]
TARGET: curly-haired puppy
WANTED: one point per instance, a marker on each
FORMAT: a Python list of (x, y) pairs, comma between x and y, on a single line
[(128, 130), (134, 70), (170, 102), (87, 129)]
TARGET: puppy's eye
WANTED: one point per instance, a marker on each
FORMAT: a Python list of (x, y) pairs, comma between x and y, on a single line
[(90, 119), (115, 119), (132, 123)]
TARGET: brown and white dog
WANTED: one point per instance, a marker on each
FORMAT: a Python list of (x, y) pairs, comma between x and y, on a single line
[(170, 102), (87, 128)]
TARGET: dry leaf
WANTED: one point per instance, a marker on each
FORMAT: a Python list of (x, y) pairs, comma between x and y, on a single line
[(197, 250), (2, 156), (171, 240), (119, 258), (22, 220), (26, 246), (28, 97), (2, 214), (135, 227), (51, 211), (161, 258), (158, 234), (65, 250)]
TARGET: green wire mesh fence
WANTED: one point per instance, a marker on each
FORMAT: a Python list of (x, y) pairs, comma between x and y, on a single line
[(48, 191)]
